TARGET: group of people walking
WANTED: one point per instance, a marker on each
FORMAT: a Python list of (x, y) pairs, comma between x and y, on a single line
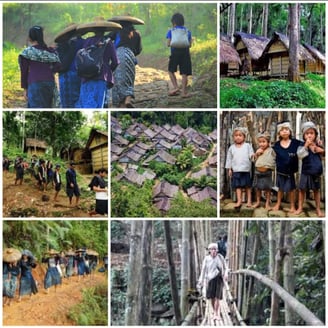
[(116, 62), (46, 173), (93, 69), (18, 267)]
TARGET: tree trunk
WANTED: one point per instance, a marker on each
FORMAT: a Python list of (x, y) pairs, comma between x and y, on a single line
[(274, 316), (294, 304), (184, 268), (293, 68), (232, 19), (192, 272), (250, 18), (265, 19), (134, 272), (242, 265), (289, 276), (172, 275), (272, 247), (145, 291), (256, 245)]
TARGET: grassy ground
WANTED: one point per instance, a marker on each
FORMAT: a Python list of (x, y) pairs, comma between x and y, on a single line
[(248, 92)]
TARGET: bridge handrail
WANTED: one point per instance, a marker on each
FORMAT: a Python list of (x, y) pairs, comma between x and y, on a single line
[(232, 301), (310, 318)]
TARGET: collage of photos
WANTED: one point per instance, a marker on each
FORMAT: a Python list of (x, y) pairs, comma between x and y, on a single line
[(120, 129)]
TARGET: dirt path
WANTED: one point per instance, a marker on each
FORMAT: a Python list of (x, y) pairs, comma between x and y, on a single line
[(49, 309), (26, 200), (152, 85)]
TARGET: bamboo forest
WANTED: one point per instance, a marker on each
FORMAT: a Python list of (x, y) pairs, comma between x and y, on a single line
[(276, 272)]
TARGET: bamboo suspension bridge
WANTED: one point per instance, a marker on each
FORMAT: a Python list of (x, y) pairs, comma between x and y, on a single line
[(202, 314)]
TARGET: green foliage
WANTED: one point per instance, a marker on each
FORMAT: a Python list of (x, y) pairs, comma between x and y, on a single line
[(128, 200), (309, 262), (11, 76), (38, 236), (117, 230), (186, 207), (161, 287), (184, 160), (160, 168), (237, 93), (93, 310)]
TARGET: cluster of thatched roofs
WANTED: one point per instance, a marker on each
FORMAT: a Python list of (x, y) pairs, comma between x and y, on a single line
[(258, 49), (137, 145)]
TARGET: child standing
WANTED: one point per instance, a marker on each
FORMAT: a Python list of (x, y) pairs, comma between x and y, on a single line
[(265, 163), (310, 154), (180, 56), (287, 163), (239, 165)]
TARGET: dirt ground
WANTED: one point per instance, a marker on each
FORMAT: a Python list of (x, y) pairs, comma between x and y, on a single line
[(50, 309), (26, 200)]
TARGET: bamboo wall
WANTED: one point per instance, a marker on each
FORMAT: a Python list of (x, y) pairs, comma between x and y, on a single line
[(99, 158)]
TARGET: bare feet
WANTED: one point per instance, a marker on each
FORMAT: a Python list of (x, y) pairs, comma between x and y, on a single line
[(256, 205), (237, 205), (186, 95), (320, 214), (249, 205), (174, 92), (298, 212), (276, 208)]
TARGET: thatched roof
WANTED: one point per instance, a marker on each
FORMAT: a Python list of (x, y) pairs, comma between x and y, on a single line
[(31, 142), (228, 54), (165, 189), (163, 156), (315, 52), (95, 132), (255, 44), (303, 53)]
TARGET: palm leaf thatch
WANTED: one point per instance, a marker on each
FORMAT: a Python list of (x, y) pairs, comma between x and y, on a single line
[(303, 53), (228, 54), (315, 52), (254, 44)]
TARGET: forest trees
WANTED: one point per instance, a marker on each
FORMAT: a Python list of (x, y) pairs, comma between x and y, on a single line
[(55, 128), (252, 17), (283, 253), (40, 236), (301, 268)]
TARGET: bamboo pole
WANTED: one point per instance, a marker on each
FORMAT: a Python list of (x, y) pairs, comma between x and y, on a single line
[(294, 304)]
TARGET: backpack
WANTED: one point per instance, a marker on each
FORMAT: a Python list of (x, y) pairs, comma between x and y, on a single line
[(89, 60), (179, 38)]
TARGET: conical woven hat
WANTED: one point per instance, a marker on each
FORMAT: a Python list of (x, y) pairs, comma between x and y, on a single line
[(52, 252), (98, 23), (127, 18), (66, 33), (11, 255)]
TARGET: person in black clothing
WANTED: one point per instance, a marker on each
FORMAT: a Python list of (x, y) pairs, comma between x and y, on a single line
[(128, 45), (99, 185), (72, 187), (57, 181), (19, 167)]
